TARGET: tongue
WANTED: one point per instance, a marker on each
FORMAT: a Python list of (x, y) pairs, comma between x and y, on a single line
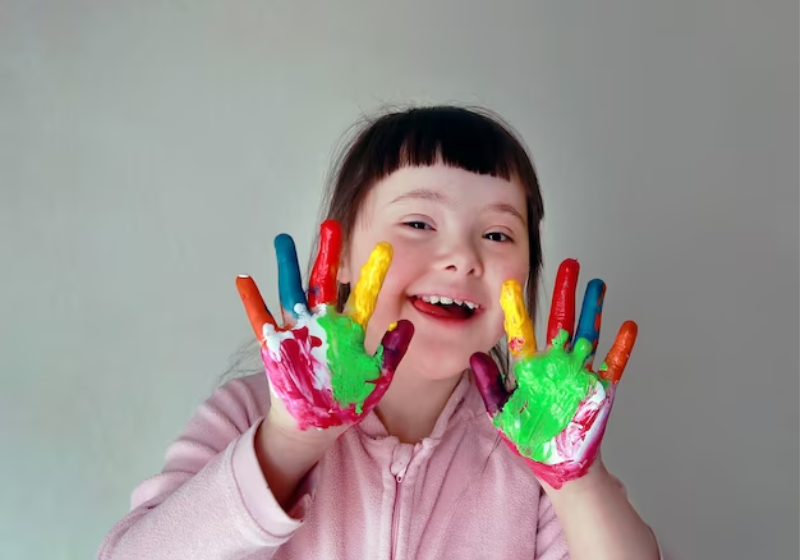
[(445, 311)]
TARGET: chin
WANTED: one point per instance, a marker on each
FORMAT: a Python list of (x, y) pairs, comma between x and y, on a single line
[(431, 359)]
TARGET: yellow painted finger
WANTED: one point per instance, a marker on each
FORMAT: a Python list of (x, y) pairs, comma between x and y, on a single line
[(361, 303), (518, 325)]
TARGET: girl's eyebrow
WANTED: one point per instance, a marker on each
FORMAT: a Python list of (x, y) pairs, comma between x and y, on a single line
[(434, 196), (504, 208), (425, 194)]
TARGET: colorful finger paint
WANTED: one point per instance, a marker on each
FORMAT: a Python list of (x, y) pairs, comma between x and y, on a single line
[(322, 285), (316, 363), (364, 296), (290, 284), (562, 310), (617, 359), (517, 323), (353, 372), (591, 315), (555, 416), (550, 388), (319, 368), (254, 306)]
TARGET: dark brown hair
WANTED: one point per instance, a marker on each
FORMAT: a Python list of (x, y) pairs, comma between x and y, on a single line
[(471, 139)]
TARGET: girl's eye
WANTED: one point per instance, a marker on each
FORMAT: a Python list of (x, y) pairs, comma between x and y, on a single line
[(418, 225), (497, 236)]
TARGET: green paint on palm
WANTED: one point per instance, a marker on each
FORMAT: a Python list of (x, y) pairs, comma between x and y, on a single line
[(550, 387), (352, 369)]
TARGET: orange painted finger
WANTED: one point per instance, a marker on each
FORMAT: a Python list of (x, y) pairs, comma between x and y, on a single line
[(254, 306), (518, 324), (617, 358)]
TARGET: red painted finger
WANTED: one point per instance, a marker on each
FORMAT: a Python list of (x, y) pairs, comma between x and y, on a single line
[(617, 358), (254, 306), (489, 381), (322, 284), (562, 310)]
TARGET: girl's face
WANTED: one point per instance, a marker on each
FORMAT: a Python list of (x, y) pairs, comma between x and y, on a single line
[(457, 236)]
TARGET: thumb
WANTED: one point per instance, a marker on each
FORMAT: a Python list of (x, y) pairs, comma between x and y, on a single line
[(489, 381), (395, 343)]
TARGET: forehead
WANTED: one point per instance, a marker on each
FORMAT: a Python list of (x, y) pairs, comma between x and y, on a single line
[(441, 183)]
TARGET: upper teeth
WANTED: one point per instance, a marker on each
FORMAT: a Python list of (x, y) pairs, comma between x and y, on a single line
[(449, 301)]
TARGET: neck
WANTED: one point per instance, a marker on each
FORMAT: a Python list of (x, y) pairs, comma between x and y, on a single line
[(413, 423)]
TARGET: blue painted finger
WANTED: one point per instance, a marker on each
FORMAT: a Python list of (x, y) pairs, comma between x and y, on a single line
[(591, 313), (290, 282)]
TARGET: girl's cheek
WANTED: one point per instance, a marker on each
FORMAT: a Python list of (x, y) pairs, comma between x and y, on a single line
[(498, 329), (386, 312)]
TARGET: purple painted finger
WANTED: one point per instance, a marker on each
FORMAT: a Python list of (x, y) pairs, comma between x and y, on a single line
[(395, 343), (490, 382)]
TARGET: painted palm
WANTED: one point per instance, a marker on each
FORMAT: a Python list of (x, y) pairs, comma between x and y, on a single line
[(316, 361), (553, 410)]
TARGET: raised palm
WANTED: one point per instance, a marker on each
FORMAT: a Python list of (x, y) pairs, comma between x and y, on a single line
[(553, 411), (316, 361)]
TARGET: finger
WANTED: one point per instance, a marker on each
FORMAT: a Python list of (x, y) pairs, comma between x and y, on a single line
[(322, 286), (290, 283), (489, 381), (562, 309), (395, 344), (617, 358), (518, 325), (254, 306), (591, 315), (361, 303)]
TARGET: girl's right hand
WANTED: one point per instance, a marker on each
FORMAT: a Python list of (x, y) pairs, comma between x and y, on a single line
[(316, 362)]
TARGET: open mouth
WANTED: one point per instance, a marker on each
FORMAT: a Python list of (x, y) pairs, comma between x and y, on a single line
[(443, 307)]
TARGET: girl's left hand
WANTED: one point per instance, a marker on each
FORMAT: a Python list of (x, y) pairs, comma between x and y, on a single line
[(553, 411)]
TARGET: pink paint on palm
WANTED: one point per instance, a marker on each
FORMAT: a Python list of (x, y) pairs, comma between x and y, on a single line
[(307, 398), (316, 361), (573, 432), (577, 438), (290, 382)]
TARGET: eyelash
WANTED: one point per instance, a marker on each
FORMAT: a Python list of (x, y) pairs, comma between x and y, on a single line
[(412, 224), (504, 239)]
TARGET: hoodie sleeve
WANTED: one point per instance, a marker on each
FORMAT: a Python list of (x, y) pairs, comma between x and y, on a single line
[(211, 499), (550, 541)]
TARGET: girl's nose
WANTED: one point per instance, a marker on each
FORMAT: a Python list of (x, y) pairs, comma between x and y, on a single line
[(463, 260)]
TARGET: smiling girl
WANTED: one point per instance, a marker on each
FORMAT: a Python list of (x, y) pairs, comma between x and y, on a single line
[(392, 421)]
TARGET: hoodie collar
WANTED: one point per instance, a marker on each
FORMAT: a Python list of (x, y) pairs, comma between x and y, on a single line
[(464, 402)]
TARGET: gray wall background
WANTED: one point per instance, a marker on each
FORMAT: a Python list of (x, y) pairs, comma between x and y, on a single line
[(149, 152)]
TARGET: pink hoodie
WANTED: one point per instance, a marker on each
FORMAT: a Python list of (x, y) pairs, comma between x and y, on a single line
[(458, 494)]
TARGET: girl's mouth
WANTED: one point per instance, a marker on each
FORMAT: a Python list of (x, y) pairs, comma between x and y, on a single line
[(442, 307)]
